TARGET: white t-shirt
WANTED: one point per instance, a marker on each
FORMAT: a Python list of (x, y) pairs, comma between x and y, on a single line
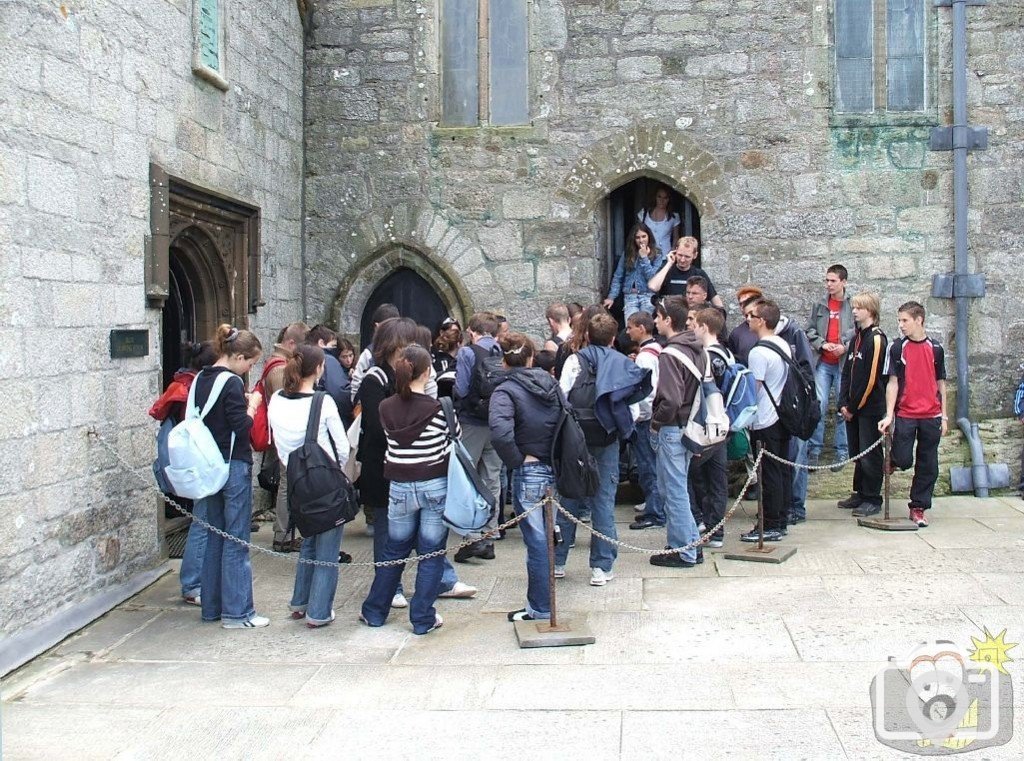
[(769, 368), (662, 230), (288, 419)]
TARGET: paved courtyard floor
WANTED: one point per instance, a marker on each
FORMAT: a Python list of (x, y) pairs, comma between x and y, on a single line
[(731, 659)]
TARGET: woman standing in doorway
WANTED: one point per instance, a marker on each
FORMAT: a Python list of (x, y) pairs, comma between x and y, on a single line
[(638, 265), (227, 573), (664, 224)]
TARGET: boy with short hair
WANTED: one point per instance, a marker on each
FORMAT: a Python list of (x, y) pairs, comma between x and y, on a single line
[(710, 474), (640, 328), (915, 406)]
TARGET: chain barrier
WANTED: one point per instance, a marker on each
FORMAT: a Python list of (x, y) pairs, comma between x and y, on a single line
[(293, 557), (835, 466), (702, 539)]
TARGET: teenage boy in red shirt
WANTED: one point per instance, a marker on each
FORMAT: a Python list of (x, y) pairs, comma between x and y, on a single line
[(915, 406)]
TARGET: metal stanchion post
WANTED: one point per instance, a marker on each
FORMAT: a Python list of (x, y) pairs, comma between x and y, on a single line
[(760, 553), (887, 523), (551, 633)]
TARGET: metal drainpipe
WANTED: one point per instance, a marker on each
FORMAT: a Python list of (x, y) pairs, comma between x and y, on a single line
[(964, 285)]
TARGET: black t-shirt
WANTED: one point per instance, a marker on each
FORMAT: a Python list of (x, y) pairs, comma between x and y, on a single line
[(675, 282)]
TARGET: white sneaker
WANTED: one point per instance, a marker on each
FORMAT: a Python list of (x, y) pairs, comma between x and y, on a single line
[(256, 622), (459, 592), (599, 578), (640, 508), (559, 571), (399, 601)]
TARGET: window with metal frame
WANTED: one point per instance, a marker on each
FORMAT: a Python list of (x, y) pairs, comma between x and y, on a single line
[(484, 62), (880, 51)]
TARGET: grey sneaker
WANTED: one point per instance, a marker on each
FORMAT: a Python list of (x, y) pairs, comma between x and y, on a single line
[(866, 510)]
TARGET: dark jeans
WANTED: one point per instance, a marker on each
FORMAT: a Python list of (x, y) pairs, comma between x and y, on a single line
[(927, 433), (647, 472), (776, 478), (862, 432), (709, 487)]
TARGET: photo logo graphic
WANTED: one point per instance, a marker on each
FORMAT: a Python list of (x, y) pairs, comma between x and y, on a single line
[(940, 700)]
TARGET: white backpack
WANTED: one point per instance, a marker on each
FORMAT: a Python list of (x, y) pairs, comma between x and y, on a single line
[(196, 467), (708, 424)]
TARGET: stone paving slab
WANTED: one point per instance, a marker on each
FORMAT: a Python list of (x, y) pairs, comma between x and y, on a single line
[(48, 731), (777, 734)]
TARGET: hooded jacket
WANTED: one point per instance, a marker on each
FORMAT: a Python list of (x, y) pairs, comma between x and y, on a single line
[(677, 386), (524, 410), (618, 383), (862, 388), (418, 444), (172, 401)]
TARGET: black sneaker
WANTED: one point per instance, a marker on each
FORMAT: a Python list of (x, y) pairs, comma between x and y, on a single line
[(770, 535), (644, 522), (673, 560), (850, 502), (866, 510), (795, 519), (486, 553), (520, 615), (344, 557)]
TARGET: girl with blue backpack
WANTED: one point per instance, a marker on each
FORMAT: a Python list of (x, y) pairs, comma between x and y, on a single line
[(227, 573)]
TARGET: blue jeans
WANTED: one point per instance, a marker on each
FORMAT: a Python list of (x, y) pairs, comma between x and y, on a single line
[(414, 521), (315, 585), (647, 470), (827, 379), (448, 577), (602, 512), (227, 573), (530, 483), (673, 472), (798, 454), (636, 302), (191, 573)]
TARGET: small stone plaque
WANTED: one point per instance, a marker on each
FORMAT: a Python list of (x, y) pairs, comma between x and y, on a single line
[(126, 344)]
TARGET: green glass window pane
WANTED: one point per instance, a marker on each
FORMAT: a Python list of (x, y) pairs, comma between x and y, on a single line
[(854, 39)]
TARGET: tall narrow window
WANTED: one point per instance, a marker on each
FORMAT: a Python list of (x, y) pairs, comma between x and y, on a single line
[(905, 66), (880, 56), (484, 62), (855, 79)]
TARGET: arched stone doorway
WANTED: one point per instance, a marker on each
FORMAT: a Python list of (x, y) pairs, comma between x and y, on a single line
[(414, 297), (423, 287), (198, 300)]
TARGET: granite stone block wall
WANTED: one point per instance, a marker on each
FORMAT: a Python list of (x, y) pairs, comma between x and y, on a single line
[(92, 93)]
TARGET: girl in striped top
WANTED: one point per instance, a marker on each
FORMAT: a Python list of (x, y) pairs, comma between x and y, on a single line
[(416, 463)]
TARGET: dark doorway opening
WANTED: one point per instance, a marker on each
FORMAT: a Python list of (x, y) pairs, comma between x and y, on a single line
[(413, 296), (622, 207), (179, 318)]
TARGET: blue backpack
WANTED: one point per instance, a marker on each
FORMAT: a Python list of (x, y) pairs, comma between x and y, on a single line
[(739, 390)]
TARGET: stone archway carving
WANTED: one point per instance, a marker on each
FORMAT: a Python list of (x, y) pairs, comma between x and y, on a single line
[(662, 153), (426, 241)]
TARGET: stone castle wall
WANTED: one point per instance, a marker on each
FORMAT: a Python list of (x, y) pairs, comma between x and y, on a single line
[(92, 93), (730, 102)]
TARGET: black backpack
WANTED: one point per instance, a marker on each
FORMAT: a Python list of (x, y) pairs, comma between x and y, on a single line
[(320, 496), (798, 407), (487, 374), (576, 474), (582, 397)]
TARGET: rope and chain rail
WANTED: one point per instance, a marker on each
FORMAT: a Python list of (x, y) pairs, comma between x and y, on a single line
[(293, 557), (708, 533)]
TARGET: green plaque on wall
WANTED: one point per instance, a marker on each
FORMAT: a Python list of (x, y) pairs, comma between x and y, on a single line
[(209, 33)]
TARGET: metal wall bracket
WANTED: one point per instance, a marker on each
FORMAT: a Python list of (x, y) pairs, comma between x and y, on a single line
[(948, 138), (950, 286)]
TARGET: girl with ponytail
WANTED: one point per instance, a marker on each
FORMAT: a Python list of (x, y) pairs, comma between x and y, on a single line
[(416, 463), (227, 573), (288, 413)]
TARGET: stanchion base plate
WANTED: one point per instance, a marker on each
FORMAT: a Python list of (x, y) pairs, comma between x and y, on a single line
[(891, 524), (539, 634), (774, 554)]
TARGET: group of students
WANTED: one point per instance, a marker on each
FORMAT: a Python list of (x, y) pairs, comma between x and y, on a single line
[(638, 386)]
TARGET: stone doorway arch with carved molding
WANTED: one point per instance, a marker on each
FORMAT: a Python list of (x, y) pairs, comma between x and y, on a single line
[(663, 154), (371, 270)]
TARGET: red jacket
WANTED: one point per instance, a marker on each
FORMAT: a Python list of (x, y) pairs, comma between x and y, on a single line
[(172, 402)]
